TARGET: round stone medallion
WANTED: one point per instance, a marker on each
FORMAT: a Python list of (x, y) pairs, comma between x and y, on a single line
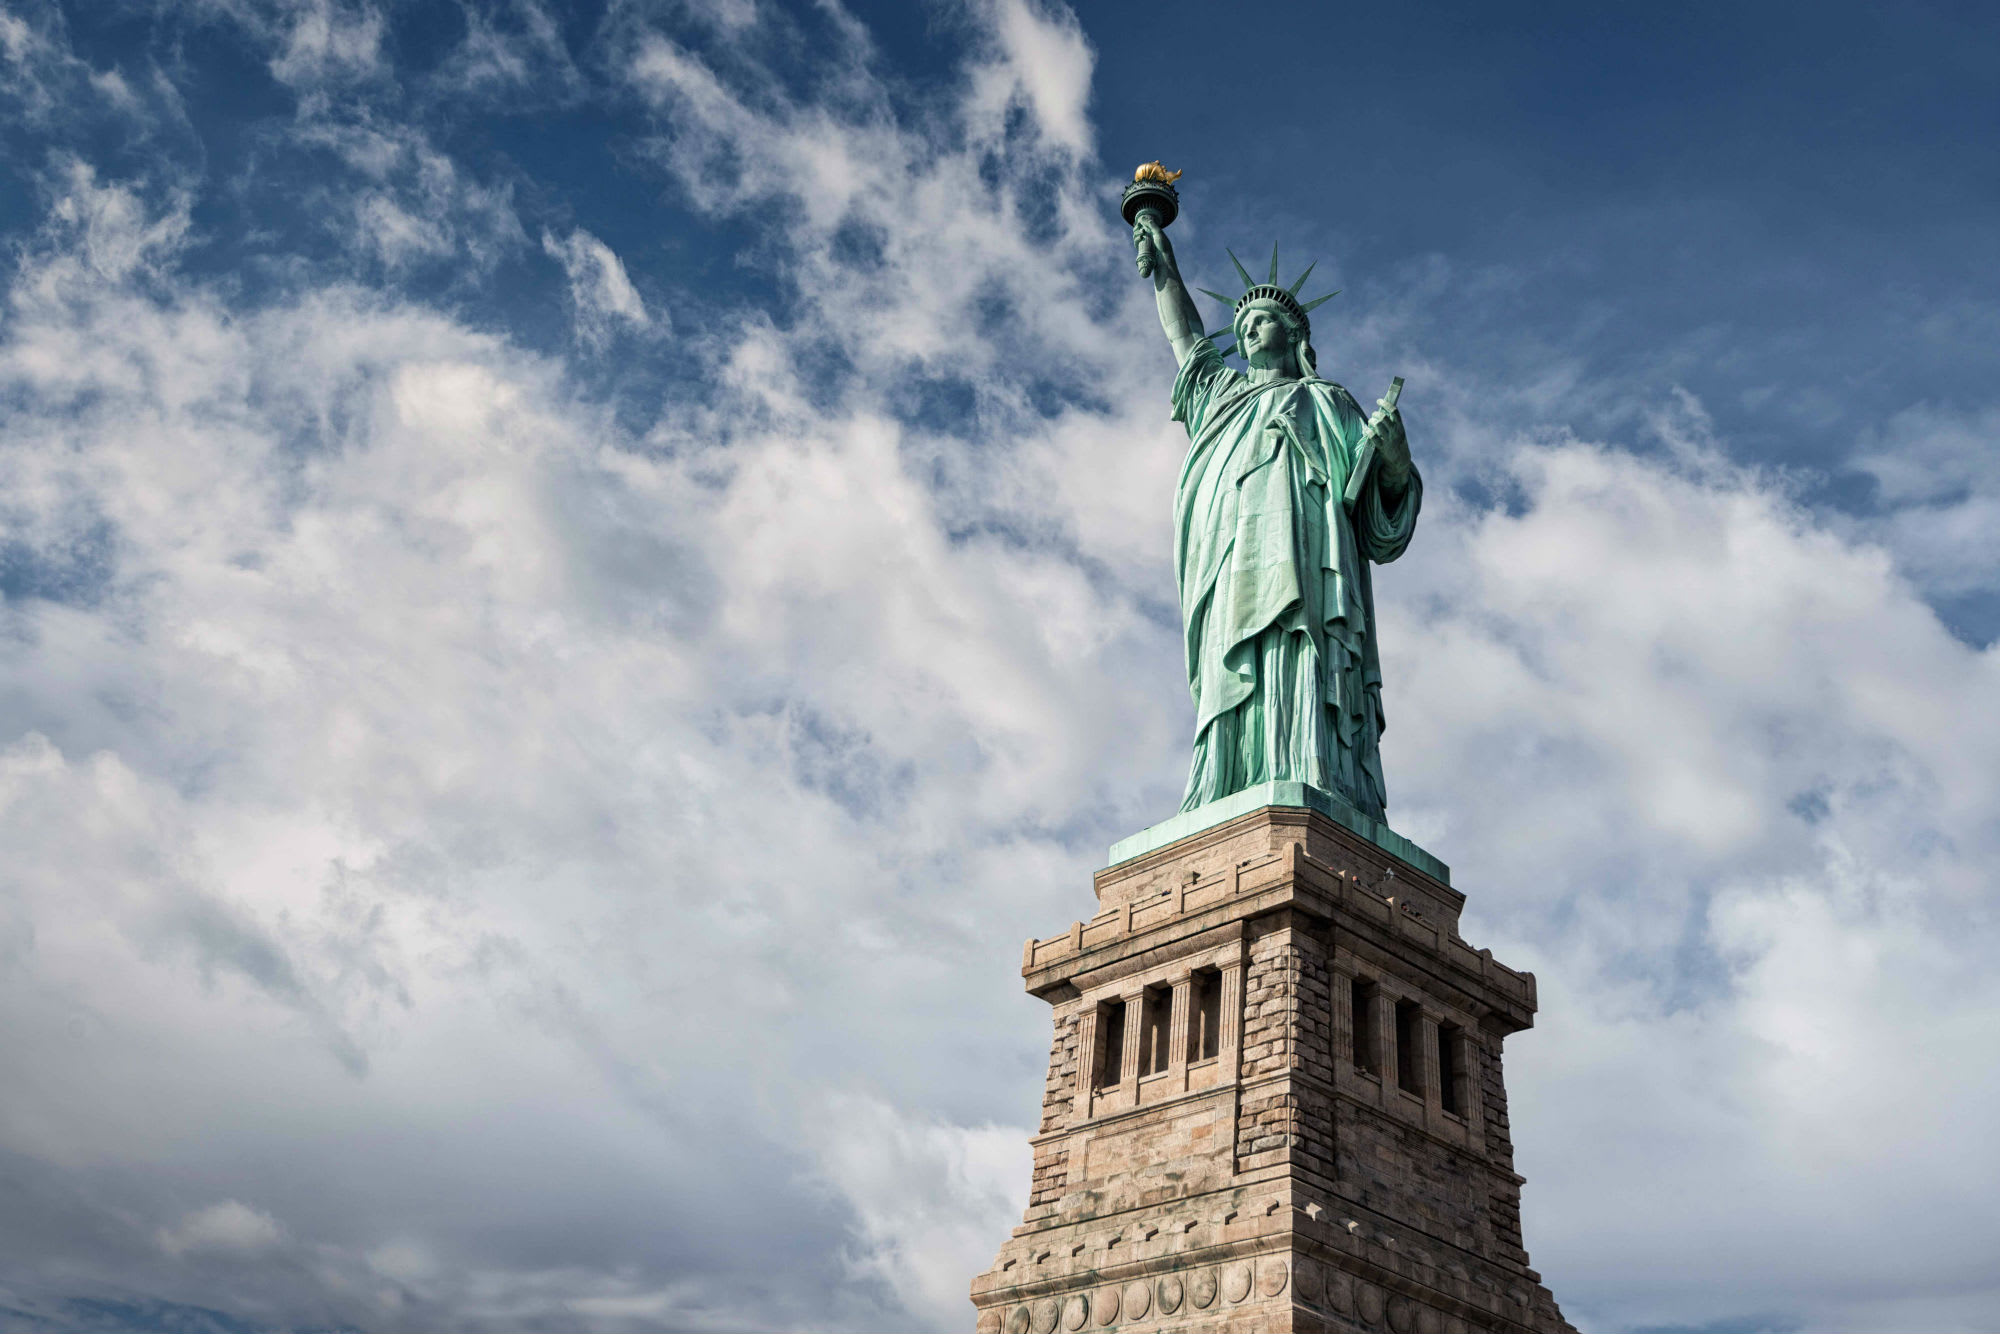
[(1017, 1320), (1369, 1298), (1076, 1312), (1429, 1321), (1045, 1316), (989, 1322), (1340, 1291), (1453, 1325), (1271, 1276), (1201, 1288), (1170, 1292), (1308, 1280), (1236, 1282), (1402, 1315), (1136, 1301), (1105, 1303)]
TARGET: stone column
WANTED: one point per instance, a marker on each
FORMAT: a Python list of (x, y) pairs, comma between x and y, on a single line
[(1086, 1064), (1384, 1019), (1177, 1034), (1229, 1023), (1470, 1056), (1427, 1064), (1344, 1020), (1135, 1020)]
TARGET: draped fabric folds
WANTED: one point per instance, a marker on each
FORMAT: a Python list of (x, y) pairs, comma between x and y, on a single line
[(1275, 594)]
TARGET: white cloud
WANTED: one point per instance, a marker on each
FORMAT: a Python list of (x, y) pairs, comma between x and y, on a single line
[(1045, 66), (323, 40), (510, 50), (416, 708), (932, 1199), (231, 1228), (411, 203), (601, 294), (1939, 478), (41, 76)]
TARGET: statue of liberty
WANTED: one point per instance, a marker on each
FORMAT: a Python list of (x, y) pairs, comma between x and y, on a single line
[(1286, 494)]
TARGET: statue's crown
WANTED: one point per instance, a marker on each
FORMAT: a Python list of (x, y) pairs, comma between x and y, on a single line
[(1285, 298), (1277, 296)]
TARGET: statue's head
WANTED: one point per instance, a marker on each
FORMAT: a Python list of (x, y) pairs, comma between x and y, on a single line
[(1287, 345), (1272, 332)]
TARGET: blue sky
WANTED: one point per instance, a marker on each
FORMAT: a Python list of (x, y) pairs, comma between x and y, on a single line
[(576, 579)]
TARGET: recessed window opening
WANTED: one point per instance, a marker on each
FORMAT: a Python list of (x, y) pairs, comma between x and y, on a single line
[(1156, 1022), (1409, 1021), (1451, 1078), (1110, 1043), (1205, 1015), (1361, 1019)]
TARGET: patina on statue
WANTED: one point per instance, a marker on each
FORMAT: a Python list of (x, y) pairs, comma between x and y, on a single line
[(1287, 493)]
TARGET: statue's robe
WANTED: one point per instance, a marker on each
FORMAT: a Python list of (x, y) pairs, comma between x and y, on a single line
[(1274, 583)]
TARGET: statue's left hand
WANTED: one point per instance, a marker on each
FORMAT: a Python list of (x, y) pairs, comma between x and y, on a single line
[(1392, 455)]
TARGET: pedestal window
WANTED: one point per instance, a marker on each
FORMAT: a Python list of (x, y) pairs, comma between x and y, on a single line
[(1156, 1020), (1409, 1047), (1205, 1015), (1451, 1069), (1110, 1044), (1367, 1051)]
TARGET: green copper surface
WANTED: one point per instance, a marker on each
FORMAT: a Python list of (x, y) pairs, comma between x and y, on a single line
[(1288, 494), (1278, 794)]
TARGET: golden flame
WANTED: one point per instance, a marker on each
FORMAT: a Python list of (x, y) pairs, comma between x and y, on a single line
[(1153, 171)]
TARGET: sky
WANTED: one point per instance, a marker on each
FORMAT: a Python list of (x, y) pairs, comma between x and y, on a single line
[(575, 579)]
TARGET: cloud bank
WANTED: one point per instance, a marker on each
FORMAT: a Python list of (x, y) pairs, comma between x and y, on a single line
[(485, 857)]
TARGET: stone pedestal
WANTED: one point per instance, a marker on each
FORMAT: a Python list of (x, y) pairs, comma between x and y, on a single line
[(1274, 1099)]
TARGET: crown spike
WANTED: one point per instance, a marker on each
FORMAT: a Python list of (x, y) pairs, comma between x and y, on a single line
[(1294, 288), (1225, 300), (1241, 272), (1322, 300), (1273, 279)]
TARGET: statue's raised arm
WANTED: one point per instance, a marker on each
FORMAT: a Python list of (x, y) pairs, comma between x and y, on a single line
[(1150, 204)]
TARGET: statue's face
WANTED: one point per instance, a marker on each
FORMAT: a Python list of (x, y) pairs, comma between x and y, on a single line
[(1267, 341)]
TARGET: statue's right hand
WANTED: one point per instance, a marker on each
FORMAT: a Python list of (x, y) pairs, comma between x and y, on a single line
[(1155, 252), (1142, 247)]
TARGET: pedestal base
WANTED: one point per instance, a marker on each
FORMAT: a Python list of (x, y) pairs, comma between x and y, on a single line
[(1202, 818), (1274, 1100)]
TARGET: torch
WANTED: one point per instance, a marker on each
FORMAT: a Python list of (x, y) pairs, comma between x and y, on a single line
[(1151, 192)]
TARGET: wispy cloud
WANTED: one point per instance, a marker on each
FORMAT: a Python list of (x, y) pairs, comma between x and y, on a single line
[(600, 292)]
